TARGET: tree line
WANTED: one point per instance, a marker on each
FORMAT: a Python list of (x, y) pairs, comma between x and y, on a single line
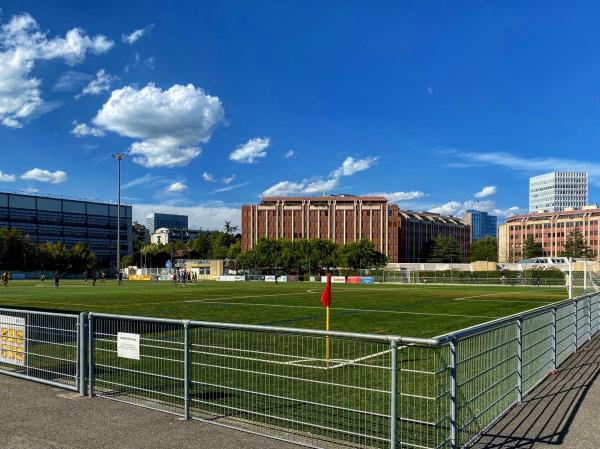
[(19, 253), (574, 246), (225, 244), (303, 256)]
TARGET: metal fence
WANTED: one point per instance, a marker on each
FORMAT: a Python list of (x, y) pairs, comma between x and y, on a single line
[(318, 389), (41, 346)]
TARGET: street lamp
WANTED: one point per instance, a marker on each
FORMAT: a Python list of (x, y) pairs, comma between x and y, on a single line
[(119, 157)]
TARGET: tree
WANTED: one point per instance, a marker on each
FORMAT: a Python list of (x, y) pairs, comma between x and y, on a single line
[(361, 254), (531, 248), (54, 256), (575, 246), (444, 249), (229, 229), (127, 260), (17, 251), (485, 249), (81, 258)]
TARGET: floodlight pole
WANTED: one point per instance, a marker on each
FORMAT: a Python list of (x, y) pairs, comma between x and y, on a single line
[(119, 157)]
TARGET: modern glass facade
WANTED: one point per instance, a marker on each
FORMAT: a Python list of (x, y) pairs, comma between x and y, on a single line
[(155, 221), (482, 224), (49, 219)]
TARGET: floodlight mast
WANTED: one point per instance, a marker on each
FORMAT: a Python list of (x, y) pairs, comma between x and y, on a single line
[(119, 157)]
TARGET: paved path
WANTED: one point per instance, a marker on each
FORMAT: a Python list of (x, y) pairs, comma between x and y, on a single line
[(563, 411), (34, 416)]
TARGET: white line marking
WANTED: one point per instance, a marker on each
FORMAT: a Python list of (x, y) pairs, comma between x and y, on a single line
[(350, 309), (472, 298), (252, 296)]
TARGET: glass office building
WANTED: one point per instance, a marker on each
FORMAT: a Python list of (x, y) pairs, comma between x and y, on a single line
[(482, 224), (155, 221), (52, 219)]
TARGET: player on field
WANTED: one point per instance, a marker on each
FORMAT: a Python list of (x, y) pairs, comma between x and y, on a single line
[(56, 279)]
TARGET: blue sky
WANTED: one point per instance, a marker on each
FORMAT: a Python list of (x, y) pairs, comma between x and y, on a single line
[(439, 106)]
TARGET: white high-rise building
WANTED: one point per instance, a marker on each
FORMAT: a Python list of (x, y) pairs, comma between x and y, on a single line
[(556, 191)]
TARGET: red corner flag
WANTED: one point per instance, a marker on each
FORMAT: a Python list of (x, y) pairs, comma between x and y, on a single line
[(326, 296)]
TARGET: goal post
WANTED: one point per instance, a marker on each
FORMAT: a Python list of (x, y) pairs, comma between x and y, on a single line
[(582, 277)]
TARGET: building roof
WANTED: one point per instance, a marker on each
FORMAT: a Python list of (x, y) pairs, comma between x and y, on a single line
[(431, 216), (63, 197), (562, 214), (341, 197)]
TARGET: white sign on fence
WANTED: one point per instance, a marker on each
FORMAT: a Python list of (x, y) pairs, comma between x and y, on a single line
[(230, 278), (128, 345), (335, 279), (12, 340)]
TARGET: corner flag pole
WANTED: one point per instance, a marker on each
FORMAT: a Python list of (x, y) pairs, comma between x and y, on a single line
[(326, 301)]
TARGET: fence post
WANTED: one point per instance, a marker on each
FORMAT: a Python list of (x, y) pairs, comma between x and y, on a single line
[(90, 354), (453, 396), (81, 353), (589, 317), (394, 395), (520, 360), (553, 339), (576, 317), (186, 370)]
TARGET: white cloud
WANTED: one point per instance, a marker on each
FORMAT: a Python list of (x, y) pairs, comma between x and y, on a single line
[(229, 188), (208, 177), (82, 130), (319, 185), (21, 44), (289, 154), (170, 123), (5, 177), (39, 175), (99, 84), (200, 216), (147, 178), (285, 188), (396, 197), (533, 165), (228, 180), (251, 150), (176, 187), (351, 166), (135, 35), (71, 80), (30, 190), (486, 191), (458, 208)]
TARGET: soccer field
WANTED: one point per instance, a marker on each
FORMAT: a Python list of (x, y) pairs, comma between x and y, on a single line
[(418, 311)]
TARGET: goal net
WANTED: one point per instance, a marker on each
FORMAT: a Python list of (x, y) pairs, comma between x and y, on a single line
[(583, 277)]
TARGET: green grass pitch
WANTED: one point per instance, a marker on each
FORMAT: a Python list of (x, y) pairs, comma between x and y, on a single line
[(408, 310)]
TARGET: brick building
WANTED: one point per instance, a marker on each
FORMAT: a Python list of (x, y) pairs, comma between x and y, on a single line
[(550, 229), (400, 235)]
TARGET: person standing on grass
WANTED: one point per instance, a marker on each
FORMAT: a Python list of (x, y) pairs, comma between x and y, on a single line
[(102, 277), (537, 281), (85, 276), (120, 277), (56, 279), (94, 278)]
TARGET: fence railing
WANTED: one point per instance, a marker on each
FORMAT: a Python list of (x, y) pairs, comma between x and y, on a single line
[(41, 346), (314, 388)]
